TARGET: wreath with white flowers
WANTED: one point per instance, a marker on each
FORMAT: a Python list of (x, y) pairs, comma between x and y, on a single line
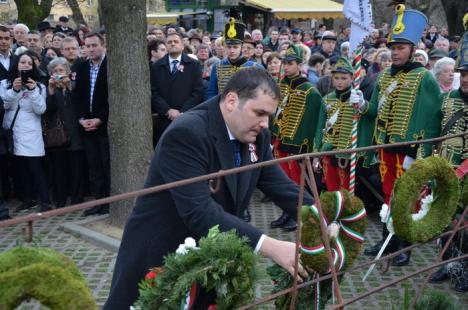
[(223, 262), (432, 185)]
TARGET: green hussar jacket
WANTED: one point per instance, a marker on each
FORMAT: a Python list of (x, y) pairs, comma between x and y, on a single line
[(455, 150), (407, 107), (297, 116), (335, 126)]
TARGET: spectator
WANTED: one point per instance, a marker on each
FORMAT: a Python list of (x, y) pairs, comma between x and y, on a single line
[(20, 32), (176, 85), (51, 53), (34, 42), (434, 55), (283, 47), (24, 96), (4, 211), (283, 37), (57, 39), (274, 66), (443, 71), (381, 61), (296, 35), (156, 50), (248, 49), (219, 48), (328, 45), (432, 34), (194, 39), (70, 49), (90, 98), (44, 28), (258, 52), (80, 33), (267, 52), (257, 35), (63, 26), (344, 49), (421, 57), (47, 40), (66, 161), (308, 39), (315, 67), (159, 33), (442, 43), (272, 40), (203, 53), (6, 55)]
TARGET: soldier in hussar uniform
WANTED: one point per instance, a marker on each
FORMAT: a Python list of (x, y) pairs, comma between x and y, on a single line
[(335, 128), (233, 38), (455, 121), (296, 120), (406, 104)]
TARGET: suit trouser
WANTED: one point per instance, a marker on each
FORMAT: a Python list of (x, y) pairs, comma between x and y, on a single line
[(33, 177), (67, 175), (96, 147)]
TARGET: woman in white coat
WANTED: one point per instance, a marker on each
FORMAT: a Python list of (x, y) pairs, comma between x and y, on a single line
[(22, 90)]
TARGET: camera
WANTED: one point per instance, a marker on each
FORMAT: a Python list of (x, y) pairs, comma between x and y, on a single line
[(58, 77), (25, 75)]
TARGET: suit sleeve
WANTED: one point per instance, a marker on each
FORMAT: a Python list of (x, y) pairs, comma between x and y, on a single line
[(276, 185), (158, 103), (213, 86), (184, 155), (197, 90)]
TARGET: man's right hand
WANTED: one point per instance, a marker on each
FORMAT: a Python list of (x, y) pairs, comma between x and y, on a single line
[(172, 114), (283, 253)]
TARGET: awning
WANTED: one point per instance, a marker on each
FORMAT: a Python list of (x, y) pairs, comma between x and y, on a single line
[(292, 9), (163, 18)]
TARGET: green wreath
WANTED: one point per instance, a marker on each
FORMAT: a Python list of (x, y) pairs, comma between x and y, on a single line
[(223, 262), (349, 214), (45, 275), (439, 175)]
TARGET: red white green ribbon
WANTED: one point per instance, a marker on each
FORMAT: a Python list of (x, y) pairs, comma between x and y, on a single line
[(339, 251)]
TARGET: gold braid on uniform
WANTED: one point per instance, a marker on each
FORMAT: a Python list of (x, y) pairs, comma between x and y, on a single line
[(224, 73), (458, 145), (395, 113), (293, 112)]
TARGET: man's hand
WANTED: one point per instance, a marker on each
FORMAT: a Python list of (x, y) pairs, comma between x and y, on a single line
[(90, 124), (282, 253), (172, 114)]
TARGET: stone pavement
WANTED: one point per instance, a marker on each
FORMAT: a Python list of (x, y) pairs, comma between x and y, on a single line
[(96, 263)]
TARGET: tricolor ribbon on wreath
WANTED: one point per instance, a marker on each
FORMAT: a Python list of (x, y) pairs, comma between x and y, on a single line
[(339, 251)]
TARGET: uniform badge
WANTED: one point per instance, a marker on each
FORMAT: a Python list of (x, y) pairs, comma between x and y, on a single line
[(253, 153)]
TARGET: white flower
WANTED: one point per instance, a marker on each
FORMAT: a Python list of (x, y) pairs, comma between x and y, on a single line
[(384, 213), (333, 230), (190, 243), (181, 250), (426, 203)]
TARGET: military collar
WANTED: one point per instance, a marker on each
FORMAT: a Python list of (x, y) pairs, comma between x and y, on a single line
[(238, 62), (295, 81), (343, 95), (407, 67), (463, 95)]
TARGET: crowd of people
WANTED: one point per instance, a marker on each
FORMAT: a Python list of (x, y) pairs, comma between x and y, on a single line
[(55, 101)]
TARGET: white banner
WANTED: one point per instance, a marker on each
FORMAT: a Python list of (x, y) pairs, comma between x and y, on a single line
[(359, 12)]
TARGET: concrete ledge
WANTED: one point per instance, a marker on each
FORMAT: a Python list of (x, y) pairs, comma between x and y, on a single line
[(90, 235)]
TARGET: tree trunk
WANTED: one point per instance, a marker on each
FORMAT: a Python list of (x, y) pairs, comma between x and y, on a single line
[(129, 100), (454, 10), (31, 13), (77, 15)]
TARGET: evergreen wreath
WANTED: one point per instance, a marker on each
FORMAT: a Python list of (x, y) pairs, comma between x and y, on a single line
[(223, 262), (436, 174), (45, 275), (344, 213)]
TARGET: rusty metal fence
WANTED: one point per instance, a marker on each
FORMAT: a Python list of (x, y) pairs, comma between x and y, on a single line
[(307, 178)]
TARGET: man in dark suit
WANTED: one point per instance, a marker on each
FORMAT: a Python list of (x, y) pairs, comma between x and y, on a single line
[(227, 131), (6, 62), (176, 85), (90, 99)]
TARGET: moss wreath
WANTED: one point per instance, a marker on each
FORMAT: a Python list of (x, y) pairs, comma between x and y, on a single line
[(45, 275), (440, 176), (344, 211)]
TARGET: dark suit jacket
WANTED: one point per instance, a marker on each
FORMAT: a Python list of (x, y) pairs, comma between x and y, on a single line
[(80, 95), (3, 70), (195, 144), (181, 91)]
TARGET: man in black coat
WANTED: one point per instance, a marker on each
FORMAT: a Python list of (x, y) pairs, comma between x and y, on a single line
[(176, 85), (90, 98), (201, 142)]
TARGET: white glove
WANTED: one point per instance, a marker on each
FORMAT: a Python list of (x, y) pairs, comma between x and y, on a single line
[(407, 162), (356, 99)]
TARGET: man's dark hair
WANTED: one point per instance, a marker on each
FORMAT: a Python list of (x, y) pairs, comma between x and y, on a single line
[(177, 33), (315, 59), (34, 32), (153, 45), (4, 29), (246, 82), (97, 35)]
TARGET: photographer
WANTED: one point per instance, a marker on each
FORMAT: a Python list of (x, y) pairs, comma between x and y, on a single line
[(65, 156), (24, 96)]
